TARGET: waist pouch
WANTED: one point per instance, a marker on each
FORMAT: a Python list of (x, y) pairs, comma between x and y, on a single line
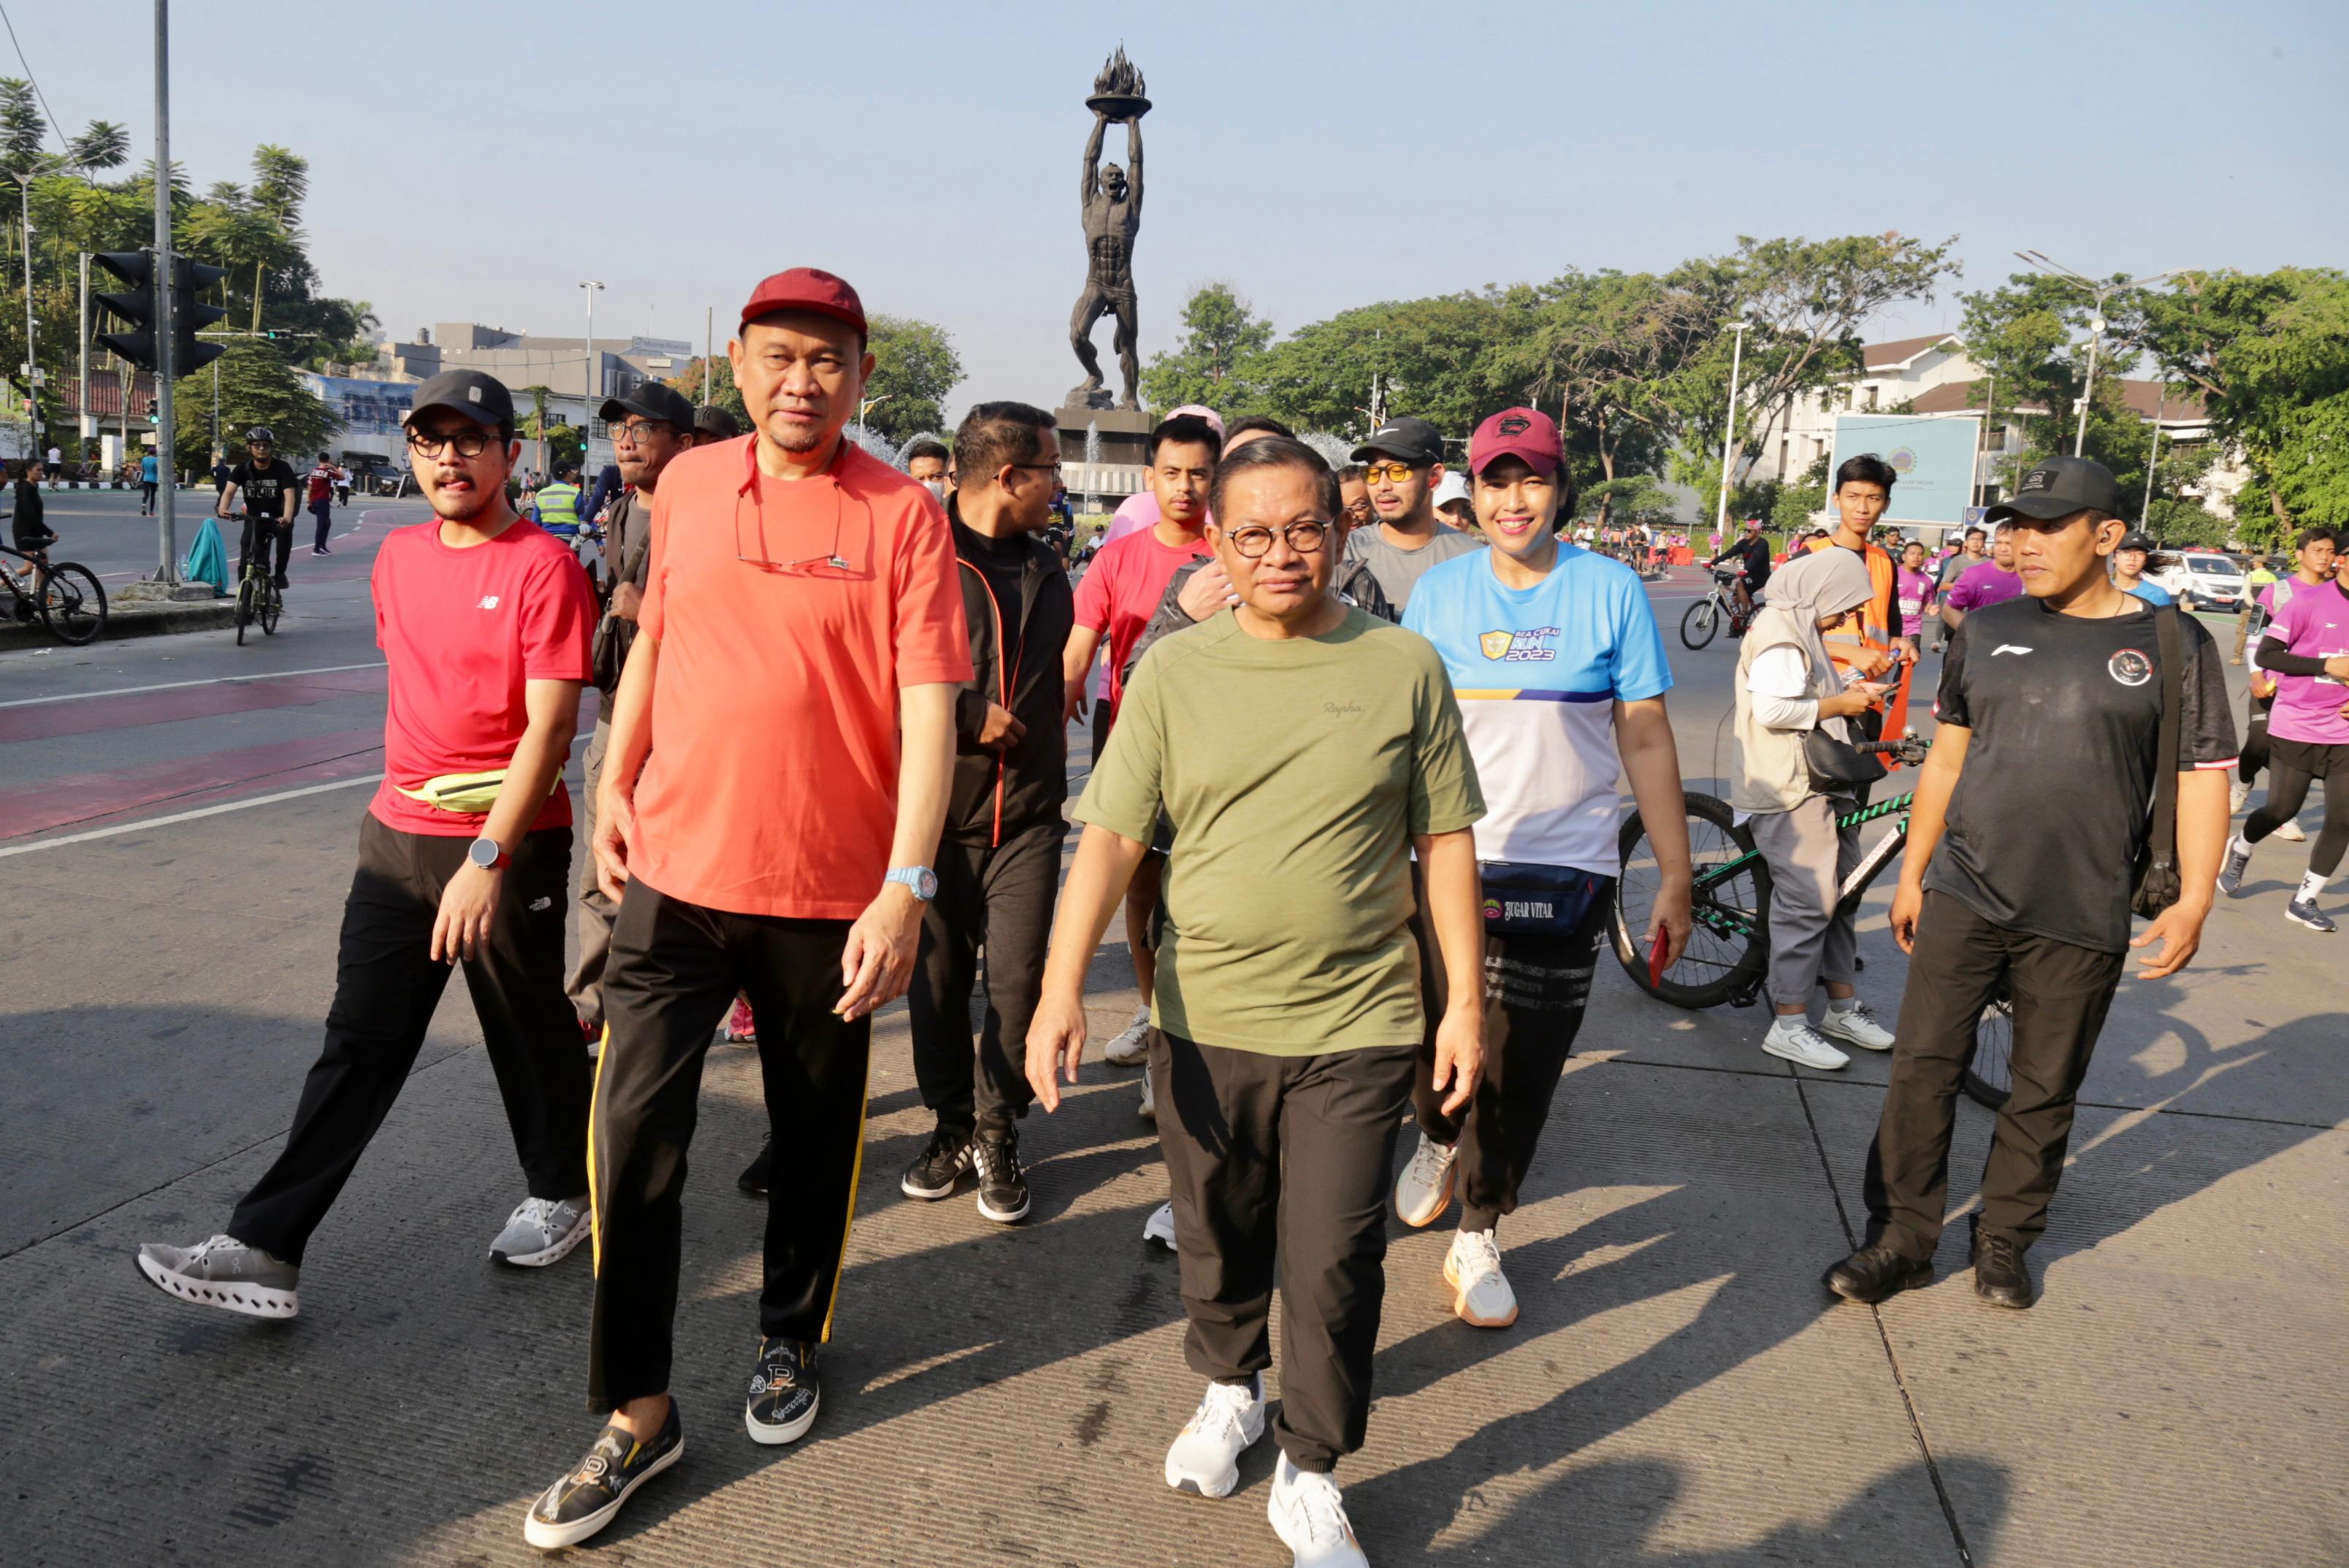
[(472, 793), (1525, 900)]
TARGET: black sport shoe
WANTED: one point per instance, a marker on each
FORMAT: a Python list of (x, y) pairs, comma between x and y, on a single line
[(753, 1179), (1002, 1185), (589, 1498), (1876, 1274), (280, 580), (784, 1391), (936, 1169), (2000, 1276)]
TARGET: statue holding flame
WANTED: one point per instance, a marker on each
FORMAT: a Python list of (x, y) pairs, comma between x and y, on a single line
[(1111, 201)]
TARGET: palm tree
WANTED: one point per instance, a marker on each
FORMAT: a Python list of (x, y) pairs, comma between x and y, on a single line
[(538, 396), (101, 145)]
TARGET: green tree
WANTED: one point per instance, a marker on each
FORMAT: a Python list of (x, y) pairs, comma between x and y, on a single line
[(914, 367), (22, 128), (1448, 360), (257, 387), (1218, 362), (102, 144), (723, 393)]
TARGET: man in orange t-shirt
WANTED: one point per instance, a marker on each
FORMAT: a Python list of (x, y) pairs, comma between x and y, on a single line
[(799, 650)]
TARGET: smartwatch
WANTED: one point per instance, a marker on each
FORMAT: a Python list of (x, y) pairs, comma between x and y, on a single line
[(485, 853), (919, 880)]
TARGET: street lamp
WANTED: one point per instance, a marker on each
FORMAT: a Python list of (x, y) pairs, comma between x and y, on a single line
[(1729, 432), (592, 377), (25, 197), (2102, 292), (866, 406)]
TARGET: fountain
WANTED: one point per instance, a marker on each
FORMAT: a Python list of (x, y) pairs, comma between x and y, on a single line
[(1093, 462)]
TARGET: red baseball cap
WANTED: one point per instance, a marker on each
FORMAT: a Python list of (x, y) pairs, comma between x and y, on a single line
[(806, 288), (1527, 433)]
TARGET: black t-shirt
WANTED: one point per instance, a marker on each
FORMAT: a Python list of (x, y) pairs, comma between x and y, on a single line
[(1754, 554), (31, 532), (2056, 798), (264, 489)]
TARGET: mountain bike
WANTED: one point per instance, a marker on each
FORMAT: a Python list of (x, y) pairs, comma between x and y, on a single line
[(66, 597), (1717, 609), (258, 597), (1728, 952)]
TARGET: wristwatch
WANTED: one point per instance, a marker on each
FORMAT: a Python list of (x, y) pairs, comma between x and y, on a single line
[(485, 853), (919, 880)]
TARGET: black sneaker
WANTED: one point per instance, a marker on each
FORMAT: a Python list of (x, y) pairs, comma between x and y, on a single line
[(753, 1179), (280, 580), (589, 1498), (2000, 1276), (940, 1164), (1876, 1274), (1002, 1185), (784, 1391)]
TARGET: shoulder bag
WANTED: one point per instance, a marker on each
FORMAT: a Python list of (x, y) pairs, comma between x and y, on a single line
[(2157, 883)]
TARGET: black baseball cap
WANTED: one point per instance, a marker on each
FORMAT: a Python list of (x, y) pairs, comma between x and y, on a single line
[(712, 420), (1415, 441), (2058, 487), (2134, 540), (482, 398), (653, 401)]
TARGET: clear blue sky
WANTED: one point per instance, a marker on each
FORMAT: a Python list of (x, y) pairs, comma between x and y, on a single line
[(472, 162)]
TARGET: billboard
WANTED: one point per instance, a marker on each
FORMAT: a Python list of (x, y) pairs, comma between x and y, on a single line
[(1932, 453)]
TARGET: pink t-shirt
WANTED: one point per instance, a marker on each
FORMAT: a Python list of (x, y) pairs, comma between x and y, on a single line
[(1134, 513), (1916, 599), (1120, 591), (2315, 624), (1981, 585)]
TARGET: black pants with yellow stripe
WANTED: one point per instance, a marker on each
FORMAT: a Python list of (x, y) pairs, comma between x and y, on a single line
[(673, 970)]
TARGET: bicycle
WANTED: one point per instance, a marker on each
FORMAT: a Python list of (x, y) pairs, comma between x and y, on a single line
[(258, 597), (1705, 617), (68, 600)]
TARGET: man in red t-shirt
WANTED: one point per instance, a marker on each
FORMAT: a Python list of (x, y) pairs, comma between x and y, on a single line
[(318, 494), (798, 654), (1117, 597), (464, 856)]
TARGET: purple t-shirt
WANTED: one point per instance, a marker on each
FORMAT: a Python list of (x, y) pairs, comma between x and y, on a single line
[(2314, 623), (1983, 585), (1915, 598)]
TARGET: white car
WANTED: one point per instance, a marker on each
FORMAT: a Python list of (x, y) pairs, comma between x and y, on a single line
[(2206, 580)]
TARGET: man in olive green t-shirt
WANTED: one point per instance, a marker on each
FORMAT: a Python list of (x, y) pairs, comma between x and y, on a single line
[(1303, 749)]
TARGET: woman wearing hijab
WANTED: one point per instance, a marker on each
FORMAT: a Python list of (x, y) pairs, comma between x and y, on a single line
[(1788, 687)]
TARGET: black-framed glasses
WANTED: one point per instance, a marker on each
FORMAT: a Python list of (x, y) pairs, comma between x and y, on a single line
[(467, 443), (831, 564), (633, 431), (1051, 469), (1256, 541), (1360, 512)]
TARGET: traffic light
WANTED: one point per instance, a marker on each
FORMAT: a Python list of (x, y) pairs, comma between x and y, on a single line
[(152, 416), (136, 307)]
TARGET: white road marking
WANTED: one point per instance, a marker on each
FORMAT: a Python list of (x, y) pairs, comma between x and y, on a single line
[(186, 816), (178, 685)]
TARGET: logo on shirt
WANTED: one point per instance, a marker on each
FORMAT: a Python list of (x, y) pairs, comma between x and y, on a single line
[(2130, 667), (2008, 649), (1518, 648), (488, 600), (1341, 709)]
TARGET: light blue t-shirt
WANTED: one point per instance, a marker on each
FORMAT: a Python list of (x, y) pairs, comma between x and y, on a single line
[(2152, 593), (148, 471), (1537, 672)]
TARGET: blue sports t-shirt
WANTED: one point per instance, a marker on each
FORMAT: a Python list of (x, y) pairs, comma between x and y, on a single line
[(2152, 593), (1537, 672), (147, 471)]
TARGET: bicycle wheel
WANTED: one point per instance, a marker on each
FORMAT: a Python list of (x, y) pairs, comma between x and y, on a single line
[(73, 603), (272, 604), (244, 609), (1701, 621), (1989, 1077), (1728, 946)]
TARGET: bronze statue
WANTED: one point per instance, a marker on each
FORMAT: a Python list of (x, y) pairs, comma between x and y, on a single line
[(1111, 201)]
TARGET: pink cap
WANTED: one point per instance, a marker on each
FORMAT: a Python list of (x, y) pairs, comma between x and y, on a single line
[(1527, 433), (1201, 411)]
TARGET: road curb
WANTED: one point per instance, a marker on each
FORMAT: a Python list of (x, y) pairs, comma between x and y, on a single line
[(136, 619)]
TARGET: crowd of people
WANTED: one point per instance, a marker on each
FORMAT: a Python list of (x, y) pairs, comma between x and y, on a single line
[(1354, 791)]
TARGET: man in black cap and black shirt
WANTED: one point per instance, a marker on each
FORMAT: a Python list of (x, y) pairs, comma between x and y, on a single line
[(2015, 883), (712, 423), (1403, 464), (650, 426), (1000, 858), (266, 482)]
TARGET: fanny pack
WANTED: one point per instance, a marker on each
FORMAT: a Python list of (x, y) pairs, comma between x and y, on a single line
[(469, 792), (1525, 900)]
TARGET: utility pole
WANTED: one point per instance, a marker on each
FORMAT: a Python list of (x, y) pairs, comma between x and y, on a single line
[(2101, 293), (2160, 401), (709, 342), (32, 360), (84, 426), (1729, 432), (167, 466)]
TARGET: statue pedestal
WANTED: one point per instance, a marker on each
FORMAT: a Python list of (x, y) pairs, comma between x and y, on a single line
[(1104, 451)]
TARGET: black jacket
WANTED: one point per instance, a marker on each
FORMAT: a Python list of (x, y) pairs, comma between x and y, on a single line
[(996, 793)]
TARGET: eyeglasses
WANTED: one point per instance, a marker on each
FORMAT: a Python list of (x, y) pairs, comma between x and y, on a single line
[(467, 443), (1359, 510), (1051, 469), (1304, 538), (1395, 471), (831, 564), (635, 431)]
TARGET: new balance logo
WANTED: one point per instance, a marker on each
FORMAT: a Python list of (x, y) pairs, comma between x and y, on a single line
[(2008, 649), (488, 600)]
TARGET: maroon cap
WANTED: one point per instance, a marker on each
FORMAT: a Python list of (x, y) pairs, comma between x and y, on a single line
[(806, 288), (1527, 433)]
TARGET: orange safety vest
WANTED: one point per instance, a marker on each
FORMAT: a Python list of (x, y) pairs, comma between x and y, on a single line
[(1857, 630)]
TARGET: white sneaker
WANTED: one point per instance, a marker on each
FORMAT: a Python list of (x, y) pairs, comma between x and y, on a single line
[(1160, 1226), (542, 1230), (2235, 795), (1204, 1457), (1423, 1190), (1855, 1025), (1148, 1110), (1796, 1041), (2291, 832), (1308, 1514), (1481, 1295), (1130, 1046)]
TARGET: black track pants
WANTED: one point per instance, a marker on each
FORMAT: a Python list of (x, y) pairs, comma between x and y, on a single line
[(999, 896)]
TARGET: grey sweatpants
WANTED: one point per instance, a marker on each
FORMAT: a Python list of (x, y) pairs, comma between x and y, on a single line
[(585, 984), (1809, 858)]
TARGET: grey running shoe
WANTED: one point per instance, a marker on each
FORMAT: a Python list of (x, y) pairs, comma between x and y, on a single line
[(784, 1391), (2304, 912), (542, 1231), (227, 1274), (2291, 832), (2231, 870), (589, 1498)]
